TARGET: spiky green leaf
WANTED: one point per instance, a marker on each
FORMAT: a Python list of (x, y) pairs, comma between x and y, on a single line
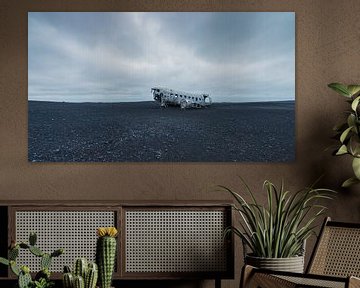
[(340, 88), (280, 228)]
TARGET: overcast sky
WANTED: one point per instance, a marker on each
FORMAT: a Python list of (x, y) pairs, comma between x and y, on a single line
[(116, 57)]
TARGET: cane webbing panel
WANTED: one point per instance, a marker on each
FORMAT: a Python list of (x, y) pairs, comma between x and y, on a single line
[(175, 241), (313, 282), (75, 231), (338, 252), (267, 280)]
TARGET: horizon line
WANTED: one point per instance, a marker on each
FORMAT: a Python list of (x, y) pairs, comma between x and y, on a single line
[(98, 102)]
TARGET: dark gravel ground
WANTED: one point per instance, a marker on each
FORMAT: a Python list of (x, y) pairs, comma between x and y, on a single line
[(142, 131)]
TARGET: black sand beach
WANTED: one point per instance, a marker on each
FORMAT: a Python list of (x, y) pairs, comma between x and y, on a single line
[(142, 131)]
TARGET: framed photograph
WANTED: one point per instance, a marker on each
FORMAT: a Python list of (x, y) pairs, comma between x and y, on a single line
[(161, 86)]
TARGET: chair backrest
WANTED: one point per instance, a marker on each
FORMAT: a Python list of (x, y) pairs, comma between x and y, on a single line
[(337, 251)]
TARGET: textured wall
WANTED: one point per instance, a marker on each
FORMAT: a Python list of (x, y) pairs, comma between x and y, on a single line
[(327, 50)]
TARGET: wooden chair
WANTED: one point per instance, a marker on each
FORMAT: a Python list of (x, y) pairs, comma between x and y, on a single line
[(334, 263)]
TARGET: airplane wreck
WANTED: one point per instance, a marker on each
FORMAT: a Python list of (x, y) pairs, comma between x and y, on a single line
[(169, 97)]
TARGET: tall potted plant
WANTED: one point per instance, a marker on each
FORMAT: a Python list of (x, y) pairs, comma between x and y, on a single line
[(275, 233), (348, 132)]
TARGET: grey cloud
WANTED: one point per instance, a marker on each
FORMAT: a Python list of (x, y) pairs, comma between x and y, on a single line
[(114, 57)]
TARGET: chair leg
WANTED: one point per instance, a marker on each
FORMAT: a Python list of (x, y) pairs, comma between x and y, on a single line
[(217, 283)]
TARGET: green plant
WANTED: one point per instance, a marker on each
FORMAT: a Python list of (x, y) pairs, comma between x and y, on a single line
[(43, 283), (348, 132), (42, 278), (85, 275), (279, 229), (105, 254)]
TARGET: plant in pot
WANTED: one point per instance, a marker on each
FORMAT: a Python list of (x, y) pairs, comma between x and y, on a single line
[(42, 278), (275, 233), (348, 132)]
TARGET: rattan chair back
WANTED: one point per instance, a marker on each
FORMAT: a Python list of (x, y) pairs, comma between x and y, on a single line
[(337, 252)]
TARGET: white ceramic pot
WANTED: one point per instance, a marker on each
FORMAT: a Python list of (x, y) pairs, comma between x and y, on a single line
[(291, 264)]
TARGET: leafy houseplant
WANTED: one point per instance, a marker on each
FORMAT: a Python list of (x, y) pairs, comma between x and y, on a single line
[(42, 278), (280, 228), (349, 131)]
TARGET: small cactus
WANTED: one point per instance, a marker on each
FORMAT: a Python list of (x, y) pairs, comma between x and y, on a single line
[(106, 254), (32, 238), (36, 251), (89, 272), (45, 261), (67, 269), (13, 253), (79, 282), (44, 273), (68, 280), (80, 268), (24, 245), (14, 268), (91, 276), (57, 252), (24, 278)]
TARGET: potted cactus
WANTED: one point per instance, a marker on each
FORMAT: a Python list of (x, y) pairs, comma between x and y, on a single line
[(85, 275), (106, 254), (42, 278)]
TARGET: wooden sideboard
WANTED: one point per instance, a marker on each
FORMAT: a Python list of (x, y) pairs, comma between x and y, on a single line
[(157, 240)]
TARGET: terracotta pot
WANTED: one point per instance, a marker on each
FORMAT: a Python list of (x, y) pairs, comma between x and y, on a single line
[(291, 264)]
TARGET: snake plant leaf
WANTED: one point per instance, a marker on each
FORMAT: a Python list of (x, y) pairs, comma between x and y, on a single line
[(349, 182), (353, 89), (356, 167), (342, 150), (345, 134), (278, 228), (340, 88), (355, 103)]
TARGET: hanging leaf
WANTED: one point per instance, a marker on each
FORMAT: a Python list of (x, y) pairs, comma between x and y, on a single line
[(349, 182), (353, 89), (342, 150), (356, 167), (345, 134), (340, 88), (355, 103), (351, 120), (354, 145)]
